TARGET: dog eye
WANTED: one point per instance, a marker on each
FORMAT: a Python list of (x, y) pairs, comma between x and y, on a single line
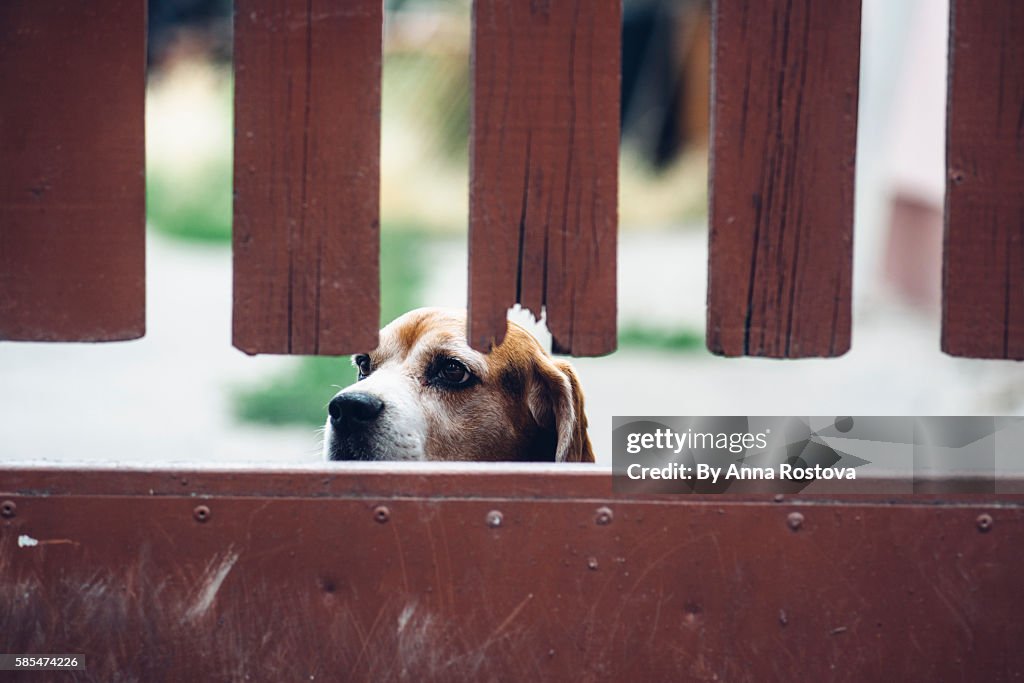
[(452, 372), (363, 365)]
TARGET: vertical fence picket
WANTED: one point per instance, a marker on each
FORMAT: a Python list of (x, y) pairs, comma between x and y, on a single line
[(983, 271), (307, 175), (784, 121), (544, 169), (72, 184)]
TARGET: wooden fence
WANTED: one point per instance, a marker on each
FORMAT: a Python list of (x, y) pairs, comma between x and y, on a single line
[(427, 573), (405, 573), (543, 188)]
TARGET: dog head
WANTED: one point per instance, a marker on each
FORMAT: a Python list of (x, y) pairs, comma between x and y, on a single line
[(424, 394)]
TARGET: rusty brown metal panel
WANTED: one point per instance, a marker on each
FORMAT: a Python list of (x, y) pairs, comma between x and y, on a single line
[(544, 169), (307, 175), (983, 274), (784, 126), (72, 186), (156, 583)]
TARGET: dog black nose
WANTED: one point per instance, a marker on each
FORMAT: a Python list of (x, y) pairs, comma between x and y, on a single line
[(352, 408)]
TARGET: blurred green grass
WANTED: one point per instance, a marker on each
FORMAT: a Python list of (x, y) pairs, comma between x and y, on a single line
[(194, 206), (681, 340)]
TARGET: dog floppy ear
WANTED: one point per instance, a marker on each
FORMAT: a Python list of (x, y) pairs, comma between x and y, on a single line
[(555, 400)]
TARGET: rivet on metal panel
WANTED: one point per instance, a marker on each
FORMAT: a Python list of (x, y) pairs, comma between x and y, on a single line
[(494, 518), (795, 521), (779, 498), (381, 513), (604, 516), (8, 508), (592, 563), (984, 522), (201, 513)]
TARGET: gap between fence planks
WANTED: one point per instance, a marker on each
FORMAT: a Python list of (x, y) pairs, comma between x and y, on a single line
[(72, 183), (983, 271), (307, 176), (544, 169), (784, 125)]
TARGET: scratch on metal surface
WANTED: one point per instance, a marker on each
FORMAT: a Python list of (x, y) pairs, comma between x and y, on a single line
[(26, 541), (210, 583), (401, 558), (364, 636), (404, 617), (952, 603), (504, 624)]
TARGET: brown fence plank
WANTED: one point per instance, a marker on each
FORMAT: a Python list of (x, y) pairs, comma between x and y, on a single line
[(307, 175), (784, 129), (293, 583), (544, 169), (983, 272), (72, 185)]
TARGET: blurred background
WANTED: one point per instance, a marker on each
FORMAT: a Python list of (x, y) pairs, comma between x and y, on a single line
[(184, 394)]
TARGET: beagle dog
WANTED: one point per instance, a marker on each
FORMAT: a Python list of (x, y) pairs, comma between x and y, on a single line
[(424, 394)]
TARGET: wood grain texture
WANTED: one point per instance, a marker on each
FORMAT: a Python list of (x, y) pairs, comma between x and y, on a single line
[(784, 124), (72, 156), (544, 169), (307, 176), (983, 271)]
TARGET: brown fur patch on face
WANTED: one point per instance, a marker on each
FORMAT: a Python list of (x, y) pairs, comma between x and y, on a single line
[(513, 381), (408, 334), (528, 375)]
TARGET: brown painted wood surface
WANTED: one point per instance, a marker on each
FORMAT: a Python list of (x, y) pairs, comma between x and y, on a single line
[(544, 169), (343, 573), (307, 176), (983, 272), (72, 156), (784, 123)]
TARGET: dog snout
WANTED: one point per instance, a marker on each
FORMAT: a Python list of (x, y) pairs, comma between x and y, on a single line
[(354, 409)]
